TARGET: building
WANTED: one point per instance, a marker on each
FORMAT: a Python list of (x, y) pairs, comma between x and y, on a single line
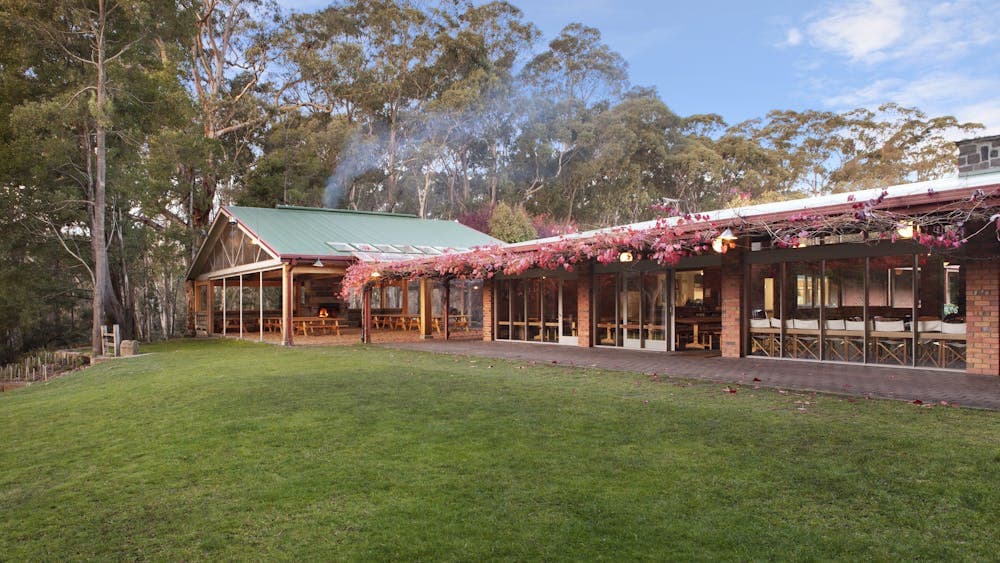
[(279, 271), (905, 275)]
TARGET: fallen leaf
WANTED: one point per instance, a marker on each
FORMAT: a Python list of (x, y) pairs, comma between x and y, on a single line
[(729, 390), (756, 379), (917, 402)]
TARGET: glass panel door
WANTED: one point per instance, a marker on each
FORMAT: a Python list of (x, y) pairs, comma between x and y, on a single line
[(569, 312), (517, 322), (503, 310), (654, 317), (606, 311), (631, 310), (550, 310), (533, 298)]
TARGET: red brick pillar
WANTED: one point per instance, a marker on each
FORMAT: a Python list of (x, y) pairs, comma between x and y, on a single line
[(488, 310), (584, 297), (732, 303), (982, 315)]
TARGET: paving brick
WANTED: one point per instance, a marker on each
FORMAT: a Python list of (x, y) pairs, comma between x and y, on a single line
[(981, 391)]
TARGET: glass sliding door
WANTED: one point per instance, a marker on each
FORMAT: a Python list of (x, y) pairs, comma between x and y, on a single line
[(765, 310), (844, 310), (655, 320), (518, 324), (802, 303), (630, 310), (550, 310), (890, 306), (533, 311), (503, 331), (568, 307), (606, 310)]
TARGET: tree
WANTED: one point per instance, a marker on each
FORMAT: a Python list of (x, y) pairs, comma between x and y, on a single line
[(511, 224), (91, 53)]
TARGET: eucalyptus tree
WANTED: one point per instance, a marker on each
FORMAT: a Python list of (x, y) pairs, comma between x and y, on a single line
[(88, 66), (575, 79)]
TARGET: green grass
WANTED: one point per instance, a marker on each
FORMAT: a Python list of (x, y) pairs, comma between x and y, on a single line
[(226, 450)]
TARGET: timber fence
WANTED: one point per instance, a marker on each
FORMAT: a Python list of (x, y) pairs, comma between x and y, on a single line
[(42, 365)]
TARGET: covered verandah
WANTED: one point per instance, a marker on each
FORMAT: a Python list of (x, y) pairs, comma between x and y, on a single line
[(291, 304)]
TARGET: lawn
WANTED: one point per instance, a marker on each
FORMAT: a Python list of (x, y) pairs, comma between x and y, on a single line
[(228, 450)]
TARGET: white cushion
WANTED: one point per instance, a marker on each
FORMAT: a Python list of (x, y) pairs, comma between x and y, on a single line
[(835, 324), (929, 326), (760, 323), (854, 325), (890, 326), (810, 324), (775, 323), (953, 328)]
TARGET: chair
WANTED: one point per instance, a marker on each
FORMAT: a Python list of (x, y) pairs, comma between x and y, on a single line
[(763, 342), (890, 349), (929, 351), (806, 345), (854, 344), (836, 344), (953, 351)]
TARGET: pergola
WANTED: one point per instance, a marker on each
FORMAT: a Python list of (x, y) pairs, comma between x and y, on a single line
[(291, 260)]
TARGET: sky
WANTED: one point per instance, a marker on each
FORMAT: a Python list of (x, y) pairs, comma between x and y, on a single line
[(741, 59)]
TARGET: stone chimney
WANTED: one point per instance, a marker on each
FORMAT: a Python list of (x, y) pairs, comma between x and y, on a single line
[(979, 155)]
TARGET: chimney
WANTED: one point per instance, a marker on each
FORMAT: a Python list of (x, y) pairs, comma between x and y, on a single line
[(976, 156)]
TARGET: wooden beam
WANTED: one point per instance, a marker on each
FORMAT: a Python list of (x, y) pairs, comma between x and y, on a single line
[(286, 306), (446, 309), (366, 314), (426, 308)]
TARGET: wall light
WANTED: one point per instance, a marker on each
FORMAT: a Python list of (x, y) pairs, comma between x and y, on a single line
[(724, 241), (376, 274), (625, 257), (318, 263), (905, 230)]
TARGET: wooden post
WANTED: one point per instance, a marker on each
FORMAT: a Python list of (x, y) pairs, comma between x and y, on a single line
[(446, 309), (210, 306), (224, 306), (286, 306), (241, 306), (426, 308), (260, 295), (405, 305), (366, 314)]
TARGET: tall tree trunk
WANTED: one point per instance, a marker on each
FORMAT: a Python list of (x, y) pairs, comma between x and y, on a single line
[(98, 241)]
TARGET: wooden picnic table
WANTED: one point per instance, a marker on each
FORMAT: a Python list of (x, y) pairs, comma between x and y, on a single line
[(313, 326)]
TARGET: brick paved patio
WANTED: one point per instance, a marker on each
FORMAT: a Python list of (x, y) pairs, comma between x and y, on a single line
[(980, 391)]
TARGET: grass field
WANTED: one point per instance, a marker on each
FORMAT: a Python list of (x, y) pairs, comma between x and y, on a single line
[(227, 450)]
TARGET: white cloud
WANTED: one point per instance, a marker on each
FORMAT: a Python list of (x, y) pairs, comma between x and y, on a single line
[(860, 29), (929, 90), (967, 98), (874, 31), (793, 38)]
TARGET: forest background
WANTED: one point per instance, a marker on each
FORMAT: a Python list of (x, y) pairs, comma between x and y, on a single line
[(125, 125)]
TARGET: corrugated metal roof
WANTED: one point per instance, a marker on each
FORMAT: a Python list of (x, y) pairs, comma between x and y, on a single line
[(306, 231)]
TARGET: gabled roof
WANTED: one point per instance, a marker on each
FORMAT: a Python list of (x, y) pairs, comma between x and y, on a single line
[(307, 232)]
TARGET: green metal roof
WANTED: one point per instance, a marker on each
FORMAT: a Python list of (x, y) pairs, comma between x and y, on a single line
[(306, 231)]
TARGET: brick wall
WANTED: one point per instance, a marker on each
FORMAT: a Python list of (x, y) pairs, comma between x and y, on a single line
[(488, 309), (732, 304), (583, 300), (982, 290)]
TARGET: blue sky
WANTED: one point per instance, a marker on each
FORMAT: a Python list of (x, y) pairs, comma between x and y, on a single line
[(741, 59)]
